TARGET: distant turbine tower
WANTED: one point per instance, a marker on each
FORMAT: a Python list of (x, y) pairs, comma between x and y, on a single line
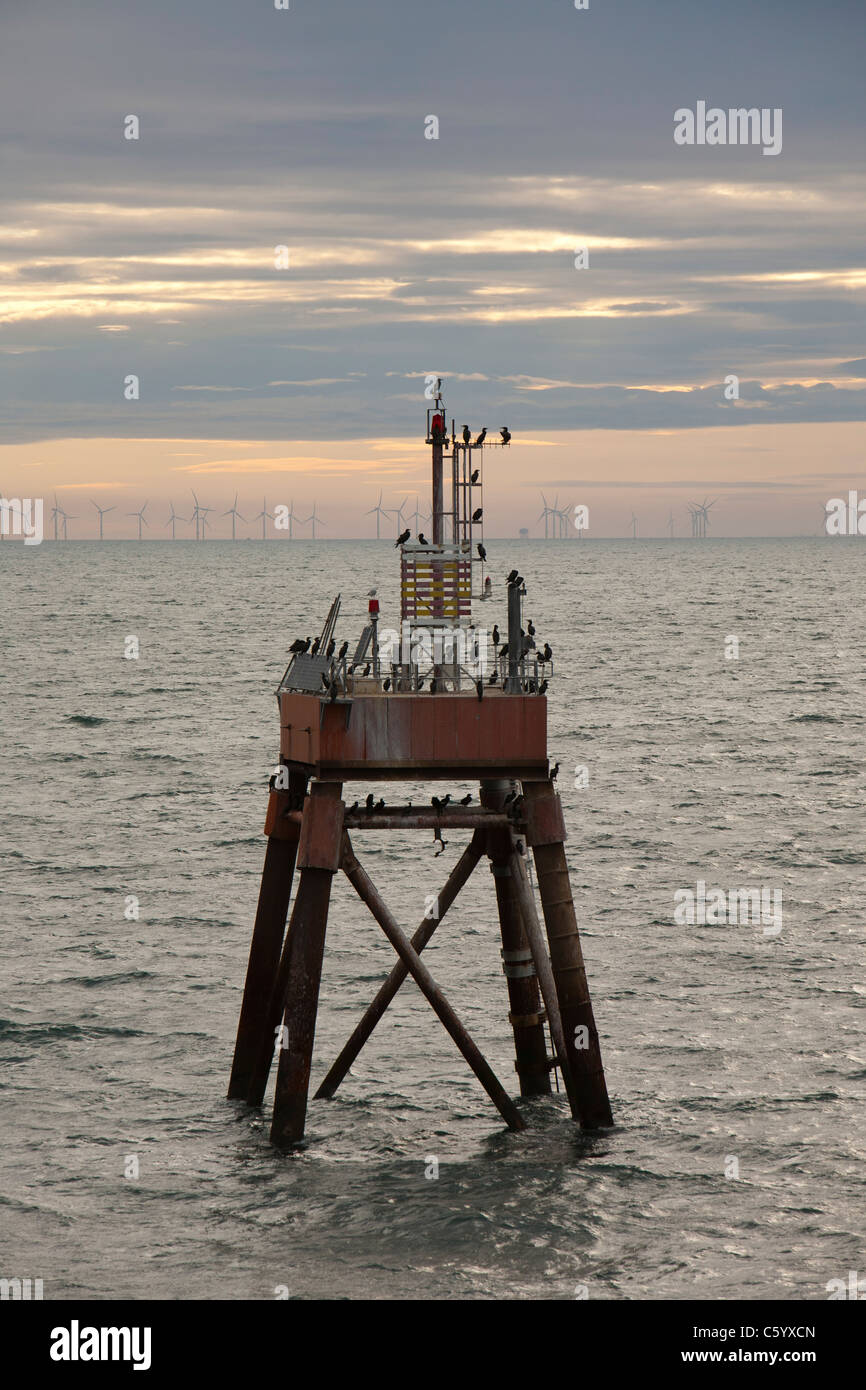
[(55, 516), (633, 527), (102, 512), (141, 520), (671, 525), (398, 513), (545, 515), (199, 516), (316, 520), (173, 517), (380, 512), (264, 516), (564, 517), (235, 516)]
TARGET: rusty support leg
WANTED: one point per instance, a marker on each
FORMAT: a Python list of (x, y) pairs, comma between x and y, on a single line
[(546, 834), (457, 878), (369, 894), (544, 971), (318, 858), (270, 925), (525, 1014)]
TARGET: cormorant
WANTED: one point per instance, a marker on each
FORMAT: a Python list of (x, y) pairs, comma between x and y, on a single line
[(542, 689), (421, 539), (506, 434), (342, 652), (530, 628), (299, 645), (554, 772), (474, 475), (386, 684), (478, 514), (494, 677), (315, 647), (511, 577), (482, 553), (331, 648), (480, 440), (495, 635), (402, 538), (467, 434), (369, 799), (465, 800), (547, 654)]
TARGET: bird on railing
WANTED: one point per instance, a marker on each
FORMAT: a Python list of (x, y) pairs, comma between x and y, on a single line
[(506, 434), (331, 648), (480, 440), (342, 652), (369, 800), (467, 434), (510, 578), (530, 628), (366, 670), (315, 647), (465, 800), (478, 514), (380, 804), (516, 582), (482, 553), (300, 645), (386, 684), (495, 635), (503, 651), (547, 654), (422, 539), (473, 477), (494, 677), (554, 772), (542, 689), (402, 538)]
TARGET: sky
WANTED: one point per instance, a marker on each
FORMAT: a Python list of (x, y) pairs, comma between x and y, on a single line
[(305, 128)]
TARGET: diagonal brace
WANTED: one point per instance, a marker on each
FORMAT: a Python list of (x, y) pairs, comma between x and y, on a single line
[(369, 894), (457, 878)]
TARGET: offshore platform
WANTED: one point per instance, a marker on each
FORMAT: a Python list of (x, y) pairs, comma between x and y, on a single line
[(441, 701)]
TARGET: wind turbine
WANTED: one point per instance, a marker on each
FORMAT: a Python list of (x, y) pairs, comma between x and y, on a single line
[(235, 516), (264, 516), (564, 515), (548, 512), (102, 512), (199, 516), (671, 525), (316, 520), (398, 513), (55, 515), (173, 517), (141, 520), (417, 516), (705, 510), (66, 517), (380, 512), (633, 527)]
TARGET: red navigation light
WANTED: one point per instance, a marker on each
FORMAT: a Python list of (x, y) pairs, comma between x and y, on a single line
[(437, 425), (373, 606)]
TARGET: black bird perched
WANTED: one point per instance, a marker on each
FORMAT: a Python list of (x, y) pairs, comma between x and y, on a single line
[(331, 648), (494, 677), (516, 582), (386, 684), (482, 553), (528, 644), (421, 539), (479, 686), (480, 440), (368, 801), (366, 670), (299, 645), (495, 634), (554, 772), (446, 798), (354, 806), (465, 800), (436, 803), (315, 647), (467, 434), (547, 654), (542, 689), (474, 475), (510, 578), (506, 434), (380, 804), (504, 650), (342, 652), (478, 514), (402, 538), (530, 628)]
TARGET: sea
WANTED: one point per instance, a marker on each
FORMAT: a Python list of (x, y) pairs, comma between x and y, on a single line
[(707, 711)]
